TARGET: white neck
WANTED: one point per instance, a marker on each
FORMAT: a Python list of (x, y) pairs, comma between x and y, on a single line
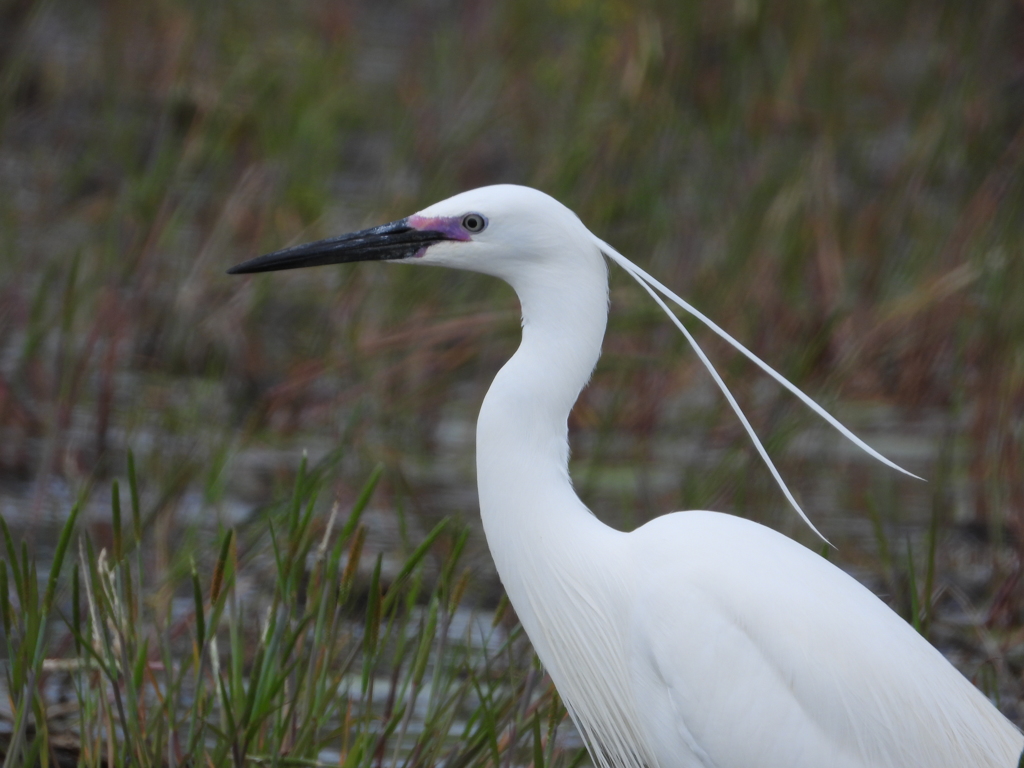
[(522, 434), (561, 567), (533, 520)]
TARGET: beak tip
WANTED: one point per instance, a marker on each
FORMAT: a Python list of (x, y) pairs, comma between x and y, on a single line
[(246, 267)]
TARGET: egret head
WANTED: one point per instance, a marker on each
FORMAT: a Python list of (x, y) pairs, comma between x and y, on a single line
[(501, 230)]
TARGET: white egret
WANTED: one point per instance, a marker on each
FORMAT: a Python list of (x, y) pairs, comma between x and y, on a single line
[(699, 639)]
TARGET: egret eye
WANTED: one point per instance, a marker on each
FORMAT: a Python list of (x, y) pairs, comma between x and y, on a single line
[(474, 222)]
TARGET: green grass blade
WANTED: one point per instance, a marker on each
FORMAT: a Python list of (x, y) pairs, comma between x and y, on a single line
[(59, 554), (115, 523), (410, 564), (362, 501), (915, 607)]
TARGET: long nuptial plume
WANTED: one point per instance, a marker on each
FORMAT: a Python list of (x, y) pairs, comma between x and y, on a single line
[(654, 288)]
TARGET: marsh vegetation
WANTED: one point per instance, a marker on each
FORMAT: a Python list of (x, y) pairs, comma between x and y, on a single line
[(839, 185)]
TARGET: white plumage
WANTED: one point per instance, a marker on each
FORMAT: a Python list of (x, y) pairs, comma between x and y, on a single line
[(699, 639)]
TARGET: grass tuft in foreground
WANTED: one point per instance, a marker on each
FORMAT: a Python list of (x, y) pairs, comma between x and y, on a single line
[(107, 669)]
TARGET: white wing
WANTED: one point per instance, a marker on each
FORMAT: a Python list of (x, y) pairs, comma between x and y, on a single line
[(752, 650)]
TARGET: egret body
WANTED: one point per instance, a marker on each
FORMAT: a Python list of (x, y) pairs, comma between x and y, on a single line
[(700, 639)]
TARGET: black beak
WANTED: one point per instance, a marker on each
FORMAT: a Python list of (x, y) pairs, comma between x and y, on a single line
[(396, 240)]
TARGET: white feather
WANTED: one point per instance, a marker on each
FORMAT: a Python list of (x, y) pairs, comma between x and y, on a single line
[(725, 391), (646, 280)]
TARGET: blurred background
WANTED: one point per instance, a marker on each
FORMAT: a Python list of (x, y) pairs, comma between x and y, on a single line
[(838, 184)]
